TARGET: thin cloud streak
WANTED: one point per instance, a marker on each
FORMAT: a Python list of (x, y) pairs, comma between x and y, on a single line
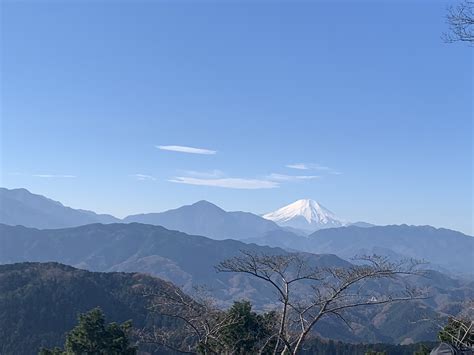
[(230, 183), (54, 176), (143, 177), (306, 166), (204, 174), (283, 177), (311, 166), (298, 166), (185, 149)]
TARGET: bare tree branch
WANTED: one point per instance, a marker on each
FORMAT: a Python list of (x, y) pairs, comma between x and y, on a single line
[(461, 23), (328, 290)]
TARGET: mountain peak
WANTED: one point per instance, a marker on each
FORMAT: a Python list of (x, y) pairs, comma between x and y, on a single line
[(305, 214), (205, 204), (21, 207), (307, 208)]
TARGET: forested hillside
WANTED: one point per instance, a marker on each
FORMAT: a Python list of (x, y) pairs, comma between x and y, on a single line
[(40, 302)]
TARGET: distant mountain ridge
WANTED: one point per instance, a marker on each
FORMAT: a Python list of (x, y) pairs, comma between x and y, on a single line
[(205, 218), (444, 249), (21, 207), (184, 259), (450, 249), (447, 250)]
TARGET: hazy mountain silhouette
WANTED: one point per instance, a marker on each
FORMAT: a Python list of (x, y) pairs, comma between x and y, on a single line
[(205, 218), (21, 207), (444, 249), (450, 249)]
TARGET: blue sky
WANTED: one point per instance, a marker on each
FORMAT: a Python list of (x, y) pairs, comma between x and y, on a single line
[(359, 105)]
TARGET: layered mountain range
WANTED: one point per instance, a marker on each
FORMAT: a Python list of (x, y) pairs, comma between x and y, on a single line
[(188, 261), (185, 244), (21, 207), (205, 218), (444, 249)]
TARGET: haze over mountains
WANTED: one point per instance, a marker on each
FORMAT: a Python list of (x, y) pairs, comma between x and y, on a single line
[(185, 244), (21, 207), (442, 249), (445, 249), (188, 260), (184, 259), (449, 249), (205, 218)]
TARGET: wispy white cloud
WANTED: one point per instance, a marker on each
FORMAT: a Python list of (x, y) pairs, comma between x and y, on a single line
[(308, 166), (54, 176), (299, 166), (219, 179), (230, 183), (311, 166), (283, 177), (185, 149), (204, 174), (143, 177)]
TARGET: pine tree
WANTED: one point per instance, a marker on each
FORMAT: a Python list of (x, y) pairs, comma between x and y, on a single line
[(93, 336)]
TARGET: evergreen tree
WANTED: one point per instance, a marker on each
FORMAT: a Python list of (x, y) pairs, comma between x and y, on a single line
[(248, 331), (422, 350), (93, 336)]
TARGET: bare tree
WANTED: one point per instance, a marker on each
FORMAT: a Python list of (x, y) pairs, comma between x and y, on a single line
[(330, 291), (202, 328), (199, 321), (461, 23)]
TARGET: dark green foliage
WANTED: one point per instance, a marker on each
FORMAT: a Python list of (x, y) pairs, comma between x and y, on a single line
[(93, 336), (248, 331), (55, 351), (39, 303), (423, 350)]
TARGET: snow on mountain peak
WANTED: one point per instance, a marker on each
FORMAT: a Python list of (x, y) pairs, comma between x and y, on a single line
[(305, 214)]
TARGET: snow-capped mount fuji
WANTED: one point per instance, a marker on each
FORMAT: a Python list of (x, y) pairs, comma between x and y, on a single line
[(307, 215)]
